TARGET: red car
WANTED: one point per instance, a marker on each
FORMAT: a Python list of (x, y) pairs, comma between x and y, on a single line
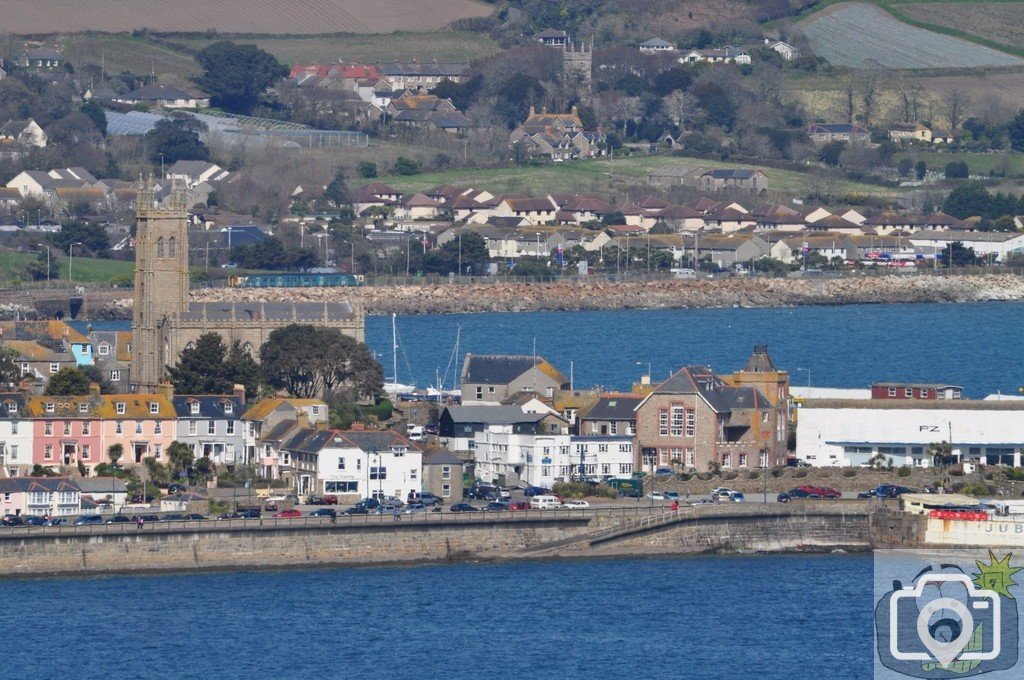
[(520, 505), (288, 514)]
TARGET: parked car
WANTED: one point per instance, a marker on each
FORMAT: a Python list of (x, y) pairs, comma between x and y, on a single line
[(545, 502), (57, 521), (430, 429), (250, 513), (34, 521), (325, 512), (496, 506), (88, 519), (323, 500), (288, 514), (424, 497), (737, 497), (414, 509), (797, 463), (116, 519), (175, 517), (672, 496), (462, 507), (719, 491), (368, 503), (870, 493), (387, 509), (656, 496), (663, 472), (230, 515), (393, 500), (703, 501), (195, 517), (532, 491), (484, 492), (149, 519), (519, 506), (575, 505), (13, 521), (176, 488), (891, 490), (357, 510)]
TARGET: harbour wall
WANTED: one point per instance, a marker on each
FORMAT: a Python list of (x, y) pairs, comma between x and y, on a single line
[(213, 545), (499, 295)]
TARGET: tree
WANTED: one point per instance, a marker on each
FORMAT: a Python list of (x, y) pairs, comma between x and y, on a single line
[(957, 170), (830, 153), (236, 76), (41, 268), (200, 368), (10, 369), (941, 453), (905, 167), (179, 458), (469, 249), (308, 361), (367, 169), (95, 112), (115, 453), (67, 382), (969, 199), (953, 107), (1015, 130), (240, 368), (88, 235), (337, 190), (406, 166), (920, 170), (175, 139)]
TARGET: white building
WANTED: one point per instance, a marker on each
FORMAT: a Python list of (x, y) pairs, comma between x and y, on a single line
[(997, 244), (842, 432), (39, 496), (600, 457), (513, 456), (369, 464), (15, 435)]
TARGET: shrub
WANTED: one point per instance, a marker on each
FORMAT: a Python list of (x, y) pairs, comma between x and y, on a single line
[(955, 470), (571, 489), (605, 491), (904, 471), (753, 474), (972, 488), (800, 474), (730, 474), (406, 166), (850, 472), (122, 281), (778, 471)]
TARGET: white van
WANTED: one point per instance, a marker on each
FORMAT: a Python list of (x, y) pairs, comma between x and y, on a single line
[(545, 503), (683, 273), (414, 432)]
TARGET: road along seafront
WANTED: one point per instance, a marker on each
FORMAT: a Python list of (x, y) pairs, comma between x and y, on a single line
[(814, 526)]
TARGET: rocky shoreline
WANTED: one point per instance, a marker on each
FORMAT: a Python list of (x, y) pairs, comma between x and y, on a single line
[(663, 294), (575, 295)]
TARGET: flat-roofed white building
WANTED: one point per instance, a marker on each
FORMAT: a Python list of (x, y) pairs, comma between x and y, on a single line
[(849, 432)]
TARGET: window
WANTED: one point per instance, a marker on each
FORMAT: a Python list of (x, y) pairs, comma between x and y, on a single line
[(743, 460), (359, 464), (230, 427), (341, 463), (104, 350), (446, 472), (12, 407), (765, 415), (48, 407), (691, 423), (48, 452), (625, 468), (762, 460), (14, 455), (341, 487), (172, 247), (25, 367), (691, 457), (378, 473), (86, 451), (602, 448), (545, 471), (677, 421), (160, 248), (892, 391), (663, 422), (229, 407), (119, 408), (158, 427), (192, 427), (446, 490), (48, 429), (908, 392), (138, 427), (625, 448), (115, 376), (726, 460), (479, 393), (14, 427), (414, 474), (193, 408), (154, 408), (67, 428), (211, 427), (156, 451), (54, 367), (119, 427), (83, 407), (315, 410), (606, 468)]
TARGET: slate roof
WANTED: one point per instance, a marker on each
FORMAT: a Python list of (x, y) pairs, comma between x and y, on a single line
[(612, 407), (28, 484), (9, 398), (308, 440), (274, 311), (702, 381), (731, 173), (210, 406), (501, 369), (550, 33), (655, 43), (836, 128), (760, 361), (492, 415), (441, 457), (279, 432), (101, 485), (159, 92), (424, 69), (366, 440)]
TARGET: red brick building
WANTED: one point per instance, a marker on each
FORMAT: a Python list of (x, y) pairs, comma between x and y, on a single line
[(897, 390), (697, 420)]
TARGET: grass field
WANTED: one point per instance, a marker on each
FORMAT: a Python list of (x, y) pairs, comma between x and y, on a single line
[(610, 178), (236, 16), (864, 35), (85, 269), (1010, 164), (139, 55), (441, 45)]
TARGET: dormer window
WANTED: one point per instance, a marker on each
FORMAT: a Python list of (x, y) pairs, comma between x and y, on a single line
[(104, 350), (12, 407), (83, 408), (48, 407), (154, 408), (229, 407), (119, 407), (193, 408)]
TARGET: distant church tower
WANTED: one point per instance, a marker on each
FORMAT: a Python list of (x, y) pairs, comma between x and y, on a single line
[(161, 282), (577, 67)]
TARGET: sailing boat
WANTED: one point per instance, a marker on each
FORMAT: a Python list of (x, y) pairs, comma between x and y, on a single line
[(437, 392), (395, 388)]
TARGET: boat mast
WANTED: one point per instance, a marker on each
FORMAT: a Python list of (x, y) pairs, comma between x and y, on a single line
[(394, 349)]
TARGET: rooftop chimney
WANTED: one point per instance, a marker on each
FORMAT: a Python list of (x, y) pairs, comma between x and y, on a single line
[(239, 391), (166, 389), (94, 389)]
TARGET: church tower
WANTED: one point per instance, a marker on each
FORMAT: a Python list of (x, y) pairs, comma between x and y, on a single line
[(577, 68), (161, 282)]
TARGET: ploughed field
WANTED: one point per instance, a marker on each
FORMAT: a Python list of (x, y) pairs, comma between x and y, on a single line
[(236, 16), (861, 35), (998, 22)]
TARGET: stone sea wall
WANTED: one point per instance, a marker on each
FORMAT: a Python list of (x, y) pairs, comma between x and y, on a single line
[(660, 294)]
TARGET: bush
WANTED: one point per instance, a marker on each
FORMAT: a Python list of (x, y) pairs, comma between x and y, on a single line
[(850, 472), (778, 471), (605, 491), (571, 489), (730, 475), (904, 471), (406, 166), (122, 281), (753, 474), (800, 474), (955, 470), (972, 488)]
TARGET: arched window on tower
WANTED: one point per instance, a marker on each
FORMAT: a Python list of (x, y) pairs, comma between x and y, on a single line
[(160, 248), (172, 247)]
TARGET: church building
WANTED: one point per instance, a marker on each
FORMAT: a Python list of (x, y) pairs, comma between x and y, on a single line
[(165, 322)]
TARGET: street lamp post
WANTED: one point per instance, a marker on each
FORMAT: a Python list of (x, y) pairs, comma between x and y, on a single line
[(71, 253), (375, 452), (808, 380)]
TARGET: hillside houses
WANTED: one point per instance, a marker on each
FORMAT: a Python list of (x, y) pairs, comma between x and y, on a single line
[(559, 136)]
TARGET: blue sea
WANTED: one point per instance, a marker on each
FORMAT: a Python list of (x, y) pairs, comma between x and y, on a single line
[(763, 617), (977, 345)]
